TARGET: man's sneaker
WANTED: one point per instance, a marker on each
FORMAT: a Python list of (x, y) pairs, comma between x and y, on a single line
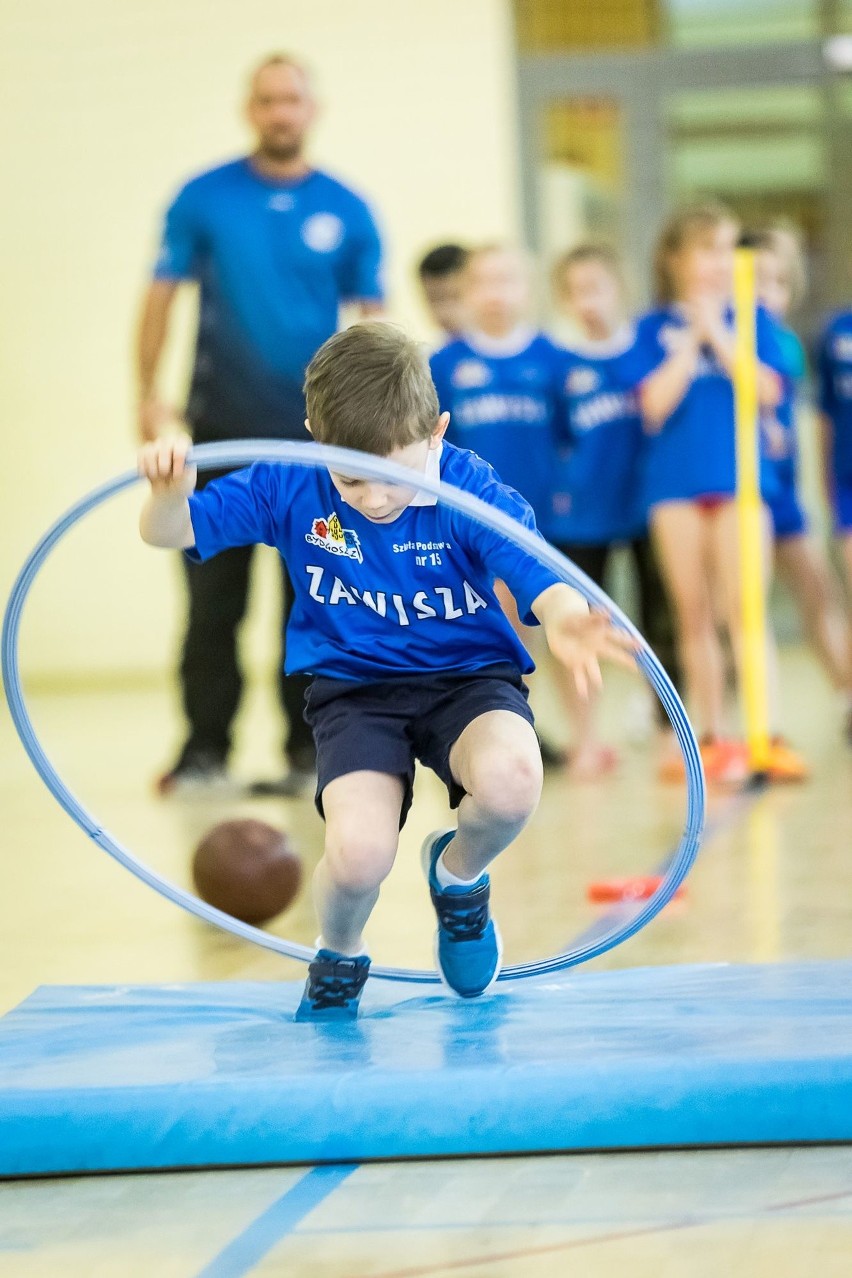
[(195, 770), (298, 781), (552, 756), (467, 944), (333, 987)]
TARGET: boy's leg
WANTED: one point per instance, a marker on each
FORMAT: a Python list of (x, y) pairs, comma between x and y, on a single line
[(497, 761), (680, 531), (362, 811), (588, 759), (552, 755)]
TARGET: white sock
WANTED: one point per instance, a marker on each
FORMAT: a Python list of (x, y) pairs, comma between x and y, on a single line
[(322, 944), (446, 878)]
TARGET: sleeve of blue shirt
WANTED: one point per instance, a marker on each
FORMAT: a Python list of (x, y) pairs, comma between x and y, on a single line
[(522, 573), (360, 276), (645, 355), (771, 348), (181, 240), (241, 509)]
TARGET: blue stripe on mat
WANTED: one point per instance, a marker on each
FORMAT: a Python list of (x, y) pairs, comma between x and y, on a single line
[(288, 1211)]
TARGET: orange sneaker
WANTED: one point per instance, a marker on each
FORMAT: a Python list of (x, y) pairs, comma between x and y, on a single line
[(785, 765), (725, 762)]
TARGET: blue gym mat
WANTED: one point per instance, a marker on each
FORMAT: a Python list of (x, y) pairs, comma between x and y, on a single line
[(104, 1078)]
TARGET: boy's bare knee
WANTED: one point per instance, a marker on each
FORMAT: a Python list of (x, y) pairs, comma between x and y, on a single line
[(358, 861), (508, 785)]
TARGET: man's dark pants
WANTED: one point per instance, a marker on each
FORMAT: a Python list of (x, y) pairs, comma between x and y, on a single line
[(210, 675)]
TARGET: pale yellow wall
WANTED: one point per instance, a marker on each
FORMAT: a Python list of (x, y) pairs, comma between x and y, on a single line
[(108, 107)]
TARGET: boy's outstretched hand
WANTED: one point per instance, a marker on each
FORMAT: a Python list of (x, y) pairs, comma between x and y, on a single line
[(163, 463), (165, 518), (581, 639)]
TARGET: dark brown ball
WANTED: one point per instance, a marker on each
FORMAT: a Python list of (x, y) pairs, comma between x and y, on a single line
[(248, 869)]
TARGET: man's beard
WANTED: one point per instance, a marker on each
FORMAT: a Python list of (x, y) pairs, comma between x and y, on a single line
[(281, 151)]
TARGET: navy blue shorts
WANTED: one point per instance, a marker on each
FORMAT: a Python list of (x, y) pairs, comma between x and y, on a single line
[(387, 726), (788, 517)]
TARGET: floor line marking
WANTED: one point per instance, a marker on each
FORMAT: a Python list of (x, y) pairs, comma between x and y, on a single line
[(241, 1255), (662, 1227)]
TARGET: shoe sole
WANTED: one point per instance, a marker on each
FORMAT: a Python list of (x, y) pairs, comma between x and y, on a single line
[(426, 864)]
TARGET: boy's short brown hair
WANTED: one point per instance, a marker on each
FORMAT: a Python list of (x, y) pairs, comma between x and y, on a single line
[(369, 388), (589, 251)]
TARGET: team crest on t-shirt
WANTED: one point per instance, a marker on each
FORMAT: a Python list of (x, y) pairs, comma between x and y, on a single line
[(322, 232), (842, 346), (582, 381), (470, 373), (329, 534)]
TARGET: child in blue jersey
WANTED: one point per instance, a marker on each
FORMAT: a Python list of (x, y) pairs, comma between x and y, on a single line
[(834, 371), (682, 363), (411, 657), (500, 382), (799, 556), (596, 498)]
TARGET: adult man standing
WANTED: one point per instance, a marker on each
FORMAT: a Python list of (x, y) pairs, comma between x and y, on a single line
[(276, 246)]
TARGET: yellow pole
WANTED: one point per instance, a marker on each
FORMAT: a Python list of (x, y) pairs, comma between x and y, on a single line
[(754, 691)]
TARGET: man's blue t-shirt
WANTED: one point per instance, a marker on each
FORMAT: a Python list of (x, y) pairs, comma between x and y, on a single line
[(834, 371), (506, 407), (694, 454), (274, 261), (380, 601), (596, 497)]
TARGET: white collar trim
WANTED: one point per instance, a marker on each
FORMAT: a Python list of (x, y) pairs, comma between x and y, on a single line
[(432, 471), (501, 347), (606, 347)]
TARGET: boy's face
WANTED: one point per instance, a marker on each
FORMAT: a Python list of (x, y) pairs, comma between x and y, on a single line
[(591, 293), (773, 283), (381, 502), (443, 296), (497, 290), (704, 266)]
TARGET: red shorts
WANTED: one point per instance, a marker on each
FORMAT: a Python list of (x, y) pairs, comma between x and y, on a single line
[(710, 503)]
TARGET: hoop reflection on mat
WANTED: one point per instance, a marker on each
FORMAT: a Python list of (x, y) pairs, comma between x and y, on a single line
[(362, 466)]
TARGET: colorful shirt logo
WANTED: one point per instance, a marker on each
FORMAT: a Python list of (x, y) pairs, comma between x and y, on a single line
[(329, 534)]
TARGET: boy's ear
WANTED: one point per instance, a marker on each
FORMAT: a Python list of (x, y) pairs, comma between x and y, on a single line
[(308, 427), (440, 430)]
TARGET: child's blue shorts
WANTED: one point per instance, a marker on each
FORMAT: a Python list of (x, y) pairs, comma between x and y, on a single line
[(385, 727), (788, 517)]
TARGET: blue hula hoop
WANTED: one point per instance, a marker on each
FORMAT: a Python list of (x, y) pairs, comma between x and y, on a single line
[(362, 466)]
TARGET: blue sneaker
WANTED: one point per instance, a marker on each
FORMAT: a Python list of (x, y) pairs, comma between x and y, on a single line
[(467, 945), (333, 988)]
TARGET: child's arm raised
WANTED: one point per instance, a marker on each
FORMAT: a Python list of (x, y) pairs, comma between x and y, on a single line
[(581, 638), (165, 520)]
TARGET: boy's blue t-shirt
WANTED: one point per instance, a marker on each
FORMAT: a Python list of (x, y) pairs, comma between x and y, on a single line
[(694, 454), (274, 261), (380, 601), (507, 408), (596, 495), (834, 372)]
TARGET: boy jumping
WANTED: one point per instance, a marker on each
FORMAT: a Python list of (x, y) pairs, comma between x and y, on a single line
[(410, 654)]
